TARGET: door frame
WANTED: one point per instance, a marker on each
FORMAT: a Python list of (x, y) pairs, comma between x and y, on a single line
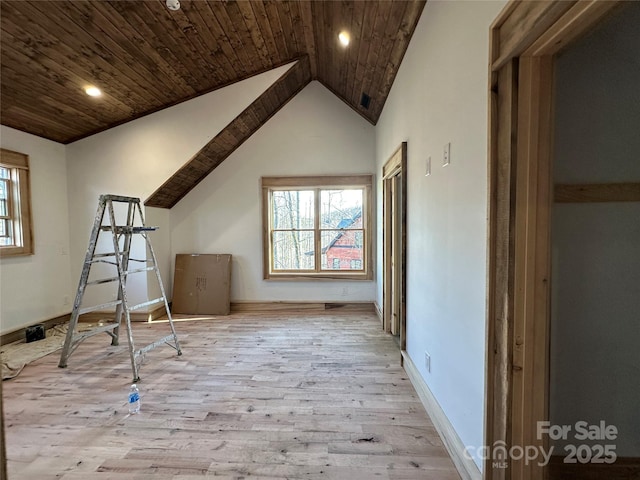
[(396, 165), (524, 39)]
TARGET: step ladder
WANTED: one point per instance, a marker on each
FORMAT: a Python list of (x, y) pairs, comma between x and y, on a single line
[(122, 235)]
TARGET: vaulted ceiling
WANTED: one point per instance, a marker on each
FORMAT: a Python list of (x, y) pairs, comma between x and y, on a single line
[(145, 57), (232, 136)]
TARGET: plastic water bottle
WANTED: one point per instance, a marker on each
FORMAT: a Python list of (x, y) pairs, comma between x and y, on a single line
[(134, 399)]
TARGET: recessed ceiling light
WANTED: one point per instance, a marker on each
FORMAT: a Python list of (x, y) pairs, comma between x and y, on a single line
[(344, 38), (92, 91)]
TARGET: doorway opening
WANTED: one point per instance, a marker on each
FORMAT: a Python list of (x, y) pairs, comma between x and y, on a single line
[(394, 188), (525, 38)]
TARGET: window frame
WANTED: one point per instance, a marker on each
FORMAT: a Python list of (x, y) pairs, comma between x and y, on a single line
[(318, 183), (7, 219), (19, 203)]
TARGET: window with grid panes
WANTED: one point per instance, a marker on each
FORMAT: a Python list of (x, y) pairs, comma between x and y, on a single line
[(317, 227), (16, 237)]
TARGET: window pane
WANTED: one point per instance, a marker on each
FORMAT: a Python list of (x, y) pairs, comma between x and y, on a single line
[(5, 223), (341, 208), (292, 209), (4, 196), (342, 250), (5, 232), (293, 251)]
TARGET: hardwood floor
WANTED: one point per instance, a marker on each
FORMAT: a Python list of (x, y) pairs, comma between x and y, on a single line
[(253, 396)]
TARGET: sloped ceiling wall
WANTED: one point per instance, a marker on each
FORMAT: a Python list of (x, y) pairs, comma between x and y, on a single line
[(232, 136)]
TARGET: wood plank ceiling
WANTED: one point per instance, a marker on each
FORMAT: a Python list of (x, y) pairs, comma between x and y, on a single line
[(145, 57)]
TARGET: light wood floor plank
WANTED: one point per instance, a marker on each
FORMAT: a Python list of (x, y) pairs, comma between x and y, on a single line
[(260, 396)]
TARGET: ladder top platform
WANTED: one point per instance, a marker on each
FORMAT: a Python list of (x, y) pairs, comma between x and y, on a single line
[(119, 198)]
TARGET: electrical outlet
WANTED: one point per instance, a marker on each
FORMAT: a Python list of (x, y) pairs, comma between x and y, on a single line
[(427, 170), (446, 158), (427, 361)]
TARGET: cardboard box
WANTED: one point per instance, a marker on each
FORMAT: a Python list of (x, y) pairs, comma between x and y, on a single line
[(202, 284)]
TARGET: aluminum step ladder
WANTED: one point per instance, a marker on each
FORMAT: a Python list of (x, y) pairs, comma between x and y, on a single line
[(120, 258)]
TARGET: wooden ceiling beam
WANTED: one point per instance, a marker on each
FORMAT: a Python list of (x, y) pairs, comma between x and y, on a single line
[(232, 136)]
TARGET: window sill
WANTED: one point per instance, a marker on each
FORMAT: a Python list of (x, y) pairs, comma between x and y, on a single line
[(15, 252), (310, 276)]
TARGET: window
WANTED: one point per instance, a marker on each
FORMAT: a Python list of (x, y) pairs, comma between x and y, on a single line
[(16, 237), (317, 227)]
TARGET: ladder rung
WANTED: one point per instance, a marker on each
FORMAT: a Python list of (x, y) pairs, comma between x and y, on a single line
[(103, 261), (115, 279), (144, 229), (102, 255), (138, 270), (103, 280), (146, 304), (128, 229), (99, 307), (155, 344), (90, 333)]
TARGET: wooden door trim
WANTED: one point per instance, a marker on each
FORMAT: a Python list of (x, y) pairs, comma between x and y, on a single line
[(386, 254), (532, 264), (397, 164), (524, 38)]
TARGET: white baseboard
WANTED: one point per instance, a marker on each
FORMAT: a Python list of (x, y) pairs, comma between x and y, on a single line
[(300, 306), (467, 469), (378, 311)]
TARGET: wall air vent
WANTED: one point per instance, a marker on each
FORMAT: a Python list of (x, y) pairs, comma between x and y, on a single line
[(365, 100)]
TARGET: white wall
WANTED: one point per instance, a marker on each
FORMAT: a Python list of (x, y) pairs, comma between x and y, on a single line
[(314, 134), (595, 330), (440, 96), (134, 159), (33, 288)]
